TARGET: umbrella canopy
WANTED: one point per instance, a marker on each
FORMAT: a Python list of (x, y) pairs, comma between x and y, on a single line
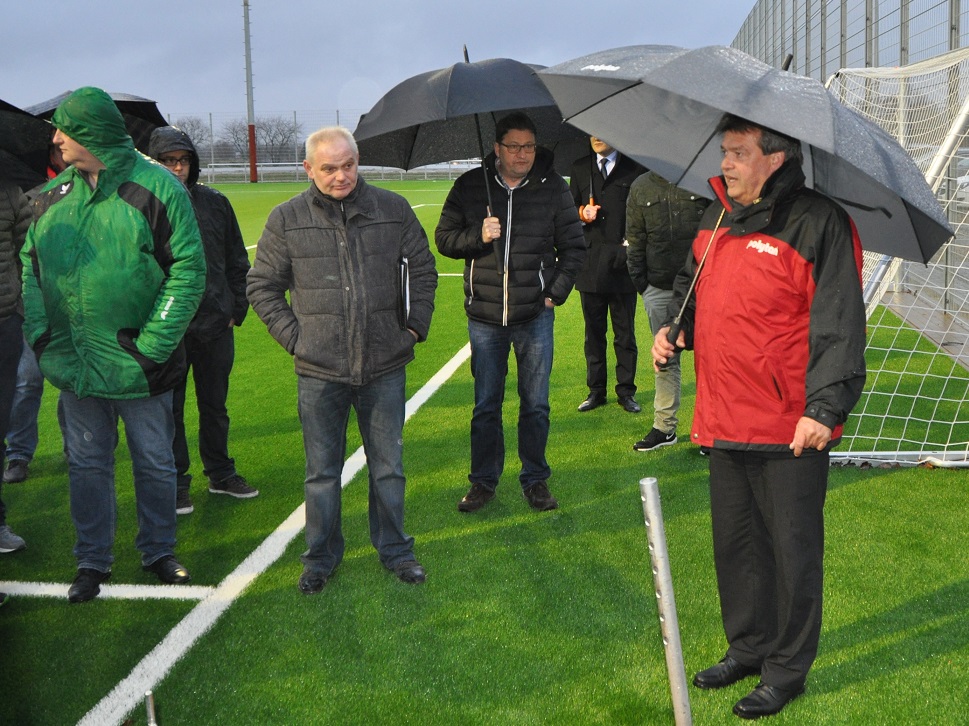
[(23, 146), (141, 115), (661, 105), (430, 118)]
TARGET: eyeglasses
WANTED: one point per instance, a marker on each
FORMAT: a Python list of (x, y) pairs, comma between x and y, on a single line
[(515, 148), (171, 162)]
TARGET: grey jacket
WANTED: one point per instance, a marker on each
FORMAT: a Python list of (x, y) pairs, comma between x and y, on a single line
[(340, 261), (15, 218)]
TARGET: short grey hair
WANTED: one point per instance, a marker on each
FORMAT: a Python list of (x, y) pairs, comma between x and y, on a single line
[(330, 133)]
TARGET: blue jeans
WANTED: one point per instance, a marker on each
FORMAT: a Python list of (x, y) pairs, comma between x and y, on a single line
[(22, 431), (490, 345), (92, 436), (11, 338), (324, 411)]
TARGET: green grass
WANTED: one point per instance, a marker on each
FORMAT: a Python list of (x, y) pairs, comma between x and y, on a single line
[(526, 618)]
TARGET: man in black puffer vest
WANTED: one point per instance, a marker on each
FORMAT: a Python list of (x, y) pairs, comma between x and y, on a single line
[(521, 258)]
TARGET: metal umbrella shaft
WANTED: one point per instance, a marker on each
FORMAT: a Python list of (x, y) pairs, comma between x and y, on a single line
[(677, 323), (477, 126), (666, 603)]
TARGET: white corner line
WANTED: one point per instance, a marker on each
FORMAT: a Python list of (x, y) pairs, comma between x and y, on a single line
[(128, 694)]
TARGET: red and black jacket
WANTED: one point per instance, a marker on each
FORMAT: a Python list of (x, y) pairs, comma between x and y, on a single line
[(777, 317)]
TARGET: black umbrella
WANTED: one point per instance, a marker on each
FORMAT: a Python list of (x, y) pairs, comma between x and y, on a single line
[(23, 146), (431, 117), (661, 104), (141, 115)]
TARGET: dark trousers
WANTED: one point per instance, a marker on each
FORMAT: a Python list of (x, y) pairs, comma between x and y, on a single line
[(621, 309), (210, 362), (11, 345), (768, 546)]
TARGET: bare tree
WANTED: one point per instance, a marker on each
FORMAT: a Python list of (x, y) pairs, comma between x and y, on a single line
[(196, 128), (278, 136), (236, 134)]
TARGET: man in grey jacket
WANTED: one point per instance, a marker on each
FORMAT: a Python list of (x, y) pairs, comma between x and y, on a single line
[(361, 279)]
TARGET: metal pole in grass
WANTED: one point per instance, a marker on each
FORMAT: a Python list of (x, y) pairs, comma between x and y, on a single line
[(150, 708), (666, 603)]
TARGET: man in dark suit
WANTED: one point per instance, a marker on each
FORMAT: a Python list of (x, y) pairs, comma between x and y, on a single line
[(600, 184)]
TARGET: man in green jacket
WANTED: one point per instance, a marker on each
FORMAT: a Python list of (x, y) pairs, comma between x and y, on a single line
[(113, 272)]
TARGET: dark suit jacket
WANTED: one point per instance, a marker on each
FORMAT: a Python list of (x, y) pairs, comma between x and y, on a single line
[(604, 270)]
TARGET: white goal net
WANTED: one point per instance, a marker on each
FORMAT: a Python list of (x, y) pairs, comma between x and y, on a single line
[(915, 408)]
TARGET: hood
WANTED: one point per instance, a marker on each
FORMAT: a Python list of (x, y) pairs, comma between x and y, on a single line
[(92, 119), (166, 139)]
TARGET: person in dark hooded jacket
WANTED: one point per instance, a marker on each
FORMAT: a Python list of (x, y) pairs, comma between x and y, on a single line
[(209, 342), (521, 259), (113, 271)]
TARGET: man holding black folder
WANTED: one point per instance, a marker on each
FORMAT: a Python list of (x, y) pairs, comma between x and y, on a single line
[(361, 278)]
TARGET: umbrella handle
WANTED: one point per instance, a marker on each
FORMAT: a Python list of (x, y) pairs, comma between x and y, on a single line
[(671, 336)]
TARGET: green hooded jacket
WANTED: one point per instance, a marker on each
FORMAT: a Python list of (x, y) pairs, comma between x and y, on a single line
[(112, 275)]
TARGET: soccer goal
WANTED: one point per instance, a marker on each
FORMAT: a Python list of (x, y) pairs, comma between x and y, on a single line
[(915, 408)]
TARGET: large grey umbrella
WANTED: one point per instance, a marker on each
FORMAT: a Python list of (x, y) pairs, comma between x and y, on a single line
[(661, 104), (23, 146), (430, 118), (141, 115)]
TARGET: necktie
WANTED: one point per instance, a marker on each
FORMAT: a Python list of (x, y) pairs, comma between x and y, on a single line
[(602, 164)]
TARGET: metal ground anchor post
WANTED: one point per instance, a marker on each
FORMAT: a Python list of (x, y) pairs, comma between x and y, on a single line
[(666, 603)]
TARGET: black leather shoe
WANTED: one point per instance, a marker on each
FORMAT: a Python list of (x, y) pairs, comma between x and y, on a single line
[(311, 582), (168, 570), (410, 572), (629, 404), (87, 584), (593, 401), (765, 700), (725, 673)]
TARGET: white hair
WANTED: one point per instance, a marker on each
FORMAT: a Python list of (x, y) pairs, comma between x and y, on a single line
[(329, 133)]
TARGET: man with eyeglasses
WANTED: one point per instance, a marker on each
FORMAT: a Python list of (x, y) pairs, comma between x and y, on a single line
[(209, 341), (521, 258), (113, 273)]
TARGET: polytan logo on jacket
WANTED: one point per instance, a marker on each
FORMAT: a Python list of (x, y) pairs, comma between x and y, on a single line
[(760, 246)]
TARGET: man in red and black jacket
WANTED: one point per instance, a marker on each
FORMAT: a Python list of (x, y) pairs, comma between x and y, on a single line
[(777, 325)]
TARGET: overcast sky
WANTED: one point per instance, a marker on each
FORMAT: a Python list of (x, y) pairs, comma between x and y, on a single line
[(189, 55)]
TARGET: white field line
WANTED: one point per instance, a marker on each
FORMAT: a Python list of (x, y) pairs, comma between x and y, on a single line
[(117, 592), (128, 694)]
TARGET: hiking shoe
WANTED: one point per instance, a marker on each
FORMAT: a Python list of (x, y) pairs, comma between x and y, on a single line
[(478, 495), (411, 572), (16, 471), (540, 498), (655, 439), (87, 584), (183, 502), (10, 542), (235, 486)]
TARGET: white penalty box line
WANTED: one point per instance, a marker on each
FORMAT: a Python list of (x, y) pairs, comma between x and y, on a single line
[(128, 694)]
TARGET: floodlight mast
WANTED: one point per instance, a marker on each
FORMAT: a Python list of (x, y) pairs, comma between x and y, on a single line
[(250, 112)]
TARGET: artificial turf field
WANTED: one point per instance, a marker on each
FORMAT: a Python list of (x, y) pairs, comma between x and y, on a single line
[(526, 617)]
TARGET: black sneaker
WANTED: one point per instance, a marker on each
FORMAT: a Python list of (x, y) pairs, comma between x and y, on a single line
[(183, 502), (655, 439), (540, 498), (704, 451), (235, 486), (478, 495)]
